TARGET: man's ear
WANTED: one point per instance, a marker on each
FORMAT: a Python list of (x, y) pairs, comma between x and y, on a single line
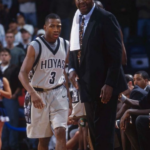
[(44, 27), (146, 80), (130, 83)]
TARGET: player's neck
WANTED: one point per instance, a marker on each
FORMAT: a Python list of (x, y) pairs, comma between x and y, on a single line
[(49, 39)]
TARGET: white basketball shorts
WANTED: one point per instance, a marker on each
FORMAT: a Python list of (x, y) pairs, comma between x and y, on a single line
[(54, 114)]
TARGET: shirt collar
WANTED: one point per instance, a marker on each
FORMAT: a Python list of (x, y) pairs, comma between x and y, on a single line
[(145, 88), (87, 16)]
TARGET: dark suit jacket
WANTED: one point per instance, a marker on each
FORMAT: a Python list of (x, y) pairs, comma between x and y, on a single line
[(100, 57), (147, 88), (145, 102), (138, 93)]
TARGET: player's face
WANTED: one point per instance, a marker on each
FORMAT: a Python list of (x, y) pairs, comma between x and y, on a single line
[(84, 5), (5, 57), (53, 29), (138, 80)]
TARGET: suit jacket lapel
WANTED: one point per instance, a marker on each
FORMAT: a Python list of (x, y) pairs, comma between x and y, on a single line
[(87, 33)]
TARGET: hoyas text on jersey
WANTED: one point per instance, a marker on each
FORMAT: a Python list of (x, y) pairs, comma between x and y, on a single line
[(52, 63)]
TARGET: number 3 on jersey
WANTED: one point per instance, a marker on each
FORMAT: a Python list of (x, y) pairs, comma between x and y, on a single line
[(52, 79)]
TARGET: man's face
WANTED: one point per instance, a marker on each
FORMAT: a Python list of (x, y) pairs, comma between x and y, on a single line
[(140, 81), (5, 57), (52, 29), (20, 20), (9, 38), (25, 35), (84, 5), (13, 26)]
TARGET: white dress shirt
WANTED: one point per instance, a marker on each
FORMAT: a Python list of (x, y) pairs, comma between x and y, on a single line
[(86, 21), (87, 17)]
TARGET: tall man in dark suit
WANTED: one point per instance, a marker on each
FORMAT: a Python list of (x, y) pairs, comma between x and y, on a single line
[(97, 66)]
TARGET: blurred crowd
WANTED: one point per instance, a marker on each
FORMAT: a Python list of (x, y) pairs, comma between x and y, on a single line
[(132, 15), (21, 21)]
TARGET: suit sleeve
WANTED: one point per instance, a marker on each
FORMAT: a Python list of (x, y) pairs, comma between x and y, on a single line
[(137, 95), (71, 60), (145, 102), (112, 39)]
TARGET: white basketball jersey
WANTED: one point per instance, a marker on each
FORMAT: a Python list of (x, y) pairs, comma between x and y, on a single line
[(50, 67)]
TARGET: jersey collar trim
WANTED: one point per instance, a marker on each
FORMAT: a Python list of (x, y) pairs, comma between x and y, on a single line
[(57, 47)]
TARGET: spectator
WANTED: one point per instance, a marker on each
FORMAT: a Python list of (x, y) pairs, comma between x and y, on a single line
[(138, 93), (10, 137), (20, 20), (14, 9), (143, 130), (2, 35), (3, 15), (143, 26), (129, 79), (28, 8), (13, 27), (26, 33), (63, 9), (141, 79), (5, 92), (40, 32), (7, 4), (122, 10), (137, 108), (17, 54)]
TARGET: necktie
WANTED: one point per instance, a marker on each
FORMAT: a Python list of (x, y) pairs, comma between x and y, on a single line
[(81, 31)]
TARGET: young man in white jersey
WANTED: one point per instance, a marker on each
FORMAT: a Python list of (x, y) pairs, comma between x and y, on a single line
[(50, 106)]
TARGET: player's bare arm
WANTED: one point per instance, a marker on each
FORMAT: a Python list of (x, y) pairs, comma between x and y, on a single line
[(23, 77)]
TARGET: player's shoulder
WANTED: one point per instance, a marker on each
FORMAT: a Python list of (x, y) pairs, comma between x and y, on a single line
[(64, 40), (35, 42)]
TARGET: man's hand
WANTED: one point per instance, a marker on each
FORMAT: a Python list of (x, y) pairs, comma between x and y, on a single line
[(72, 121), (125, 118), (106, 94), (73, 76), (14, 96), (36, 100)]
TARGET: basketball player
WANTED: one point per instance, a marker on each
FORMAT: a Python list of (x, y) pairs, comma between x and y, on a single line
[(49, 104)]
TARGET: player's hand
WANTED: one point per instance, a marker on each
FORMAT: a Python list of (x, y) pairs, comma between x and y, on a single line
[(37, 101), (73, 76), (106, 94)]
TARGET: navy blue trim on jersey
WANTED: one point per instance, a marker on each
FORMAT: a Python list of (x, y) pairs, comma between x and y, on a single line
[(57, 47), (65, 44), (38, 57)]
